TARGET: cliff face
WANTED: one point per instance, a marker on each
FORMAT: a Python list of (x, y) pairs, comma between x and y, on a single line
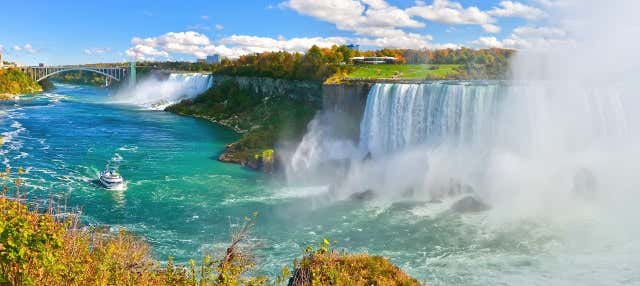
[(307, 91), (347, 103), (271, 111)]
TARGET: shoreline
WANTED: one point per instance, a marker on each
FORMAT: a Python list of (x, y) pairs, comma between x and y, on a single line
[(227, 154), (9, 96), (235, 129)]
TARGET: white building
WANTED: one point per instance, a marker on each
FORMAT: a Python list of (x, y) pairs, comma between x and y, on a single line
[(374, 60)]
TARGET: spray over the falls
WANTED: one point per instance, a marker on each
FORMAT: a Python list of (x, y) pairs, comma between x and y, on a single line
[(155, 93), (563, 130)]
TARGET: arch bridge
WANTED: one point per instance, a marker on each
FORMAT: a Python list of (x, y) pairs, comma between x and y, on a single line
[(117, 73)]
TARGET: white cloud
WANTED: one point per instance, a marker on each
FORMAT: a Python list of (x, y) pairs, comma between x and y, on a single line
[(553, 3), (1, 48), (142, 52), (544, 32), (28, 48), (491, 28), (490, 42), (377, 18), (448, 12), (204, 17), (198, 45), (375, 21), (517, 9), (252, 44), (405, 40), (361, 17), (96, 51), (527, 38)]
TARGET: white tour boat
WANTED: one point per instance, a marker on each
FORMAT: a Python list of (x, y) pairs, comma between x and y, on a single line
[(111, 179)]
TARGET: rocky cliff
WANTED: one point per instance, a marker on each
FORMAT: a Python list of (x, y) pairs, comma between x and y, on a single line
[(308, 91), (347, 102), (270, 111)]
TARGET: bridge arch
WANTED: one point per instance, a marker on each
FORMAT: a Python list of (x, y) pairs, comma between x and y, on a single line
[(78, 69)]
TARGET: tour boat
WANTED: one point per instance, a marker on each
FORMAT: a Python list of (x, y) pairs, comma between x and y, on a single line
[(111, 179)]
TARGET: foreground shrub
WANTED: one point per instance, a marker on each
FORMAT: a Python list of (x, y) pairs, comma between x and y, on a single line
[(35, 249), (328, 267), (39, 249)]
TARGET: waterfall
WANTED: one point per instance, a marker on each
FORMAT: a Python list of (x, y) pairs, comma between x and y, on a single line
[(398, 116), (494, 136), (153, 93)]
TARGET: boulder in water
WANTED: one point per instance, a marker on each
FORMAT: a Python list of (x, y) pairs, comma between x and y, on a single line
[(363, 196), (367, 157), (454, 187), (585, 184), (469, 204)]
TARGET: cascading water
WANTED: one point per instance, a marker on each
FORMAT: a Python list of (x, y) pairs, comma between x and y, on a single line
[(153, 93), (398, 116), (554, 152)]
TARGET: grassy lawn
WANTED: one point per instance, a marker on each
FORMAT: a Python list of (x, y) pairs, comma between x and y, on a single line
[(402, 71)]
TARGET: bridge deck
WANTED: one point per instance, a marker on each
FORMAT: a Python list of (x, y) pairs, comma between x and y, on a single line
[(39, 73)]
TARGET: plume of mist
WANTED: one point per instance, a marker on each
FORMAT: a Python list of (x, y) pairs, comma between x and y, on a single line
[(572, 110), (565, 132), (158, 93)]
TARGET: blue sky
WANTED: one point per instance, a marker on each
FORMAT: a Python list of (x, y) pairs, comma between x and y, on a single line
[(68, 32)]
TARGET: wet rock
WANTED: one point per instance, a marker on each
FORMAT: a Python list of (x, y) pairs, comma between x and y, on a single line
[(409, 193), (585, 183), (453, 188), (469, 204), (363, 196), (230, 155), (405, 206)]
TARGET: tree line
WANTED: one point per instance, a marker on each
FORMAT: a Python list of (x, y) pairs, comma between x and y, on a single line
[(321, 63)]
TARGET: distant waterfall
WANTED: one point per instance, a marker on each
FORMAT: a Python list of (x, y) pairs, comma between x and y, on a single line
[(402, 115), (154, 93)]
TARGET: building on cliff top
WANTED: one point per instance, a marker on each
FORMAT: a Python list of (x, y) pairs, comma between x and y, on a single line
[(374, 60)]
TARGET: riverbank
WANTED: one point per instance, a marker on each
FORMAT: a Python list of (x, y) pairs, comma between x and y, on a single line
[(266, 112), (14, 82)]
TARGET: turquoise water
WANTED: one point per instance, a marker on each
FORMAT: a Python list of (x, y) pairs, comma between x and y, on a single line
[(183, 201), (65, 137)]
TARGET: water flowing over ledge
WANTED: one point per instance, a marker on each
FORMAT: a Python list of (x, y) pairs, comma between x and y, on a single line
[(157, 94), (398, 116)]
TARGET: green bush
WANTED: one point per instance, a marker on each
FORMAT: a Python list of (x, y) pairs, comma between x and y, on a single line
[(263, 121), (14, 81)]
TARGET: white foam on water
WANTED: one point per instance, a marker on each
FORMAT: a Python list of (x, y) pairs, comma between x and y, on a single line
[(157, 94)]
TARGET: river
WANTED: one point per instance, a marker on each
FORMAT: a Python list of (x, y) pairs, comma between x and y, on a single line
[(183, 201)]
